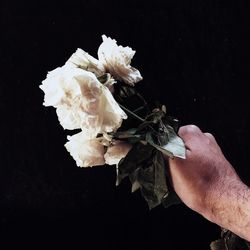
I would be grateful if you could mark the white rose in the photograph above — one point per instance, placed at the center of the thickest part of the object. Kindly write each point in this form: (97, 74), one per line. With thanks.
(54, 87)
(116, 152)
(87, 62)
(116, 60)
(110, 113)
(81, 100)
(86, 150)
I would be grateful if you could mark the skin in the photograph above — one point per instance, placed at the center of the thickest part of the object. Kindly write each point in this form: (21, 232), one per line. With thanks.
(208, 184)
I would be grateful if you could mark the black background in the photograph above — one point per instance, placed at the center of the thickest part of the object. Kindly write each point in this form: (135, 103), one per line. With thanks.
(194, 57)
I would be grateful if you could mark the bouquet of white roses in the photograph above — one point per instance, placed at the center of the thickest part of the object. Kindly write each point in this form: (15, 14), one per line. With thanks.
(96, 96)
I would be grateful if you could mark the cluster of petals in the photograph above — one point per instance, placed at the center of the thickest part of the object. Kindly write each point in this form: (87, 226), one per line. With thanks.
(88, 151)
(83, 102)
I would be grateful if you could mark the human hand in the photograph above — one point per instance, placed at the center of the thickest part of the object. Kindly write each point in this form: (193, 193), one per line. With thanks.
(208, 184)
(203, 169)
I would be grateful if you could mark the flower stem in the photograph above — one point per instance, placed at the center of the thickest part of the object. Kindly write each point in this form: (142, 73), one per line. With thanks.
(138, 109)
(132, 113)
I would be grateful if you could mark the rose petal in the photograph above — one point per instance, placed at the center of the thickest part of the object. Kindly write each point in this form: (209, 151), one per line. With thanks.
(113, 115)
(86, 151)
(116, 60)
(87, 62)
(116, 152)
(81, 100)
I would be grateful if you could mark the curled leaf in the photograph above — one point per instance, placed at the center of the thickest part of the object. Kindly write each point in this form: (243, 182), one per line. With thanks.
(169, 143)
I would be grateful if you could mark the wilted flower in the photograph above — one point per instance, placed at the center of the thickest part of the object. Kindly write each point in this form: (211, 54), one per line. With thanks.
(116, 60)
(116, 152)
(86, 150)
(81, 100)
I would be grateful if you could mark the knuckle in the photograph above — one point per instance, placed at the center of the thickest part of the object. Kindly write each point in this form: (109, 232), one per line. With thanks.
(210, 136)
(189, 129)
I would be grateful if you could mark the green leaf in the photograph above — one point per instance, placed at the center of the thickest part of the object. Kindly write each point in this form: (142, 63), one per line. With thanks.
(126, 91)
(146, 169)
(145, 162)
(125, 134)
(171, 198)
(151, 141)
(229, 241)
(175, 144)
(168, 143)
(248, 244)
(151, 180)
(135, 185)
(218, 245)
(156, 116)
(139, 156)
(128, 135)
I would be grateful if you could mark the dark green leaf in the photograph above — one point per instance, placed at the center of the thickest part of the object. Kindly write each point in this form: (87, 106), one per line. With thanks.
(151, 141)
(138, 157)
(171, 198)
(155, 116)
(168, 143)
(229, 241)
(218, 245)
(248, 244)
(125, 91)
(145, 167)
(151, 180)
(125, 134)
(172, 122)
(128, 135)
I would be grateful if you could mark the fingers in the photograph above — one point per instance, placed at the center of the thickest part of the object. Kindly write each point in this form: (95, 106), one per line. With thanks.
(194, 138)
(189, 134)
(188, 131)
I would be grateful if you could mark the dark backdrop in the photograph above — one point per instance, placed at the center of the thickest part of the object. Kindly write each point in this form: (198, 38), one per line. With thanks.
(194, 56)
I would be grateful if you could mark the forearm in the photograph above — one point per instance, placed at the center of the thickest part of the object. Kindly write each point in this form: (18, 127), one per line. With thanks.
(228, 205)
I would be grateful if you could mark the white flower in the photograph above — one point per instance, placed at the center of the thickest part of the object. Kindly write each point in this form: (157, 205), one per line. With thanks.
(54, 87)
(86, 150)
(116, 152)
(112, 58)
(87, 62)
(116, 60)
(81, 100)
(109, 112)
